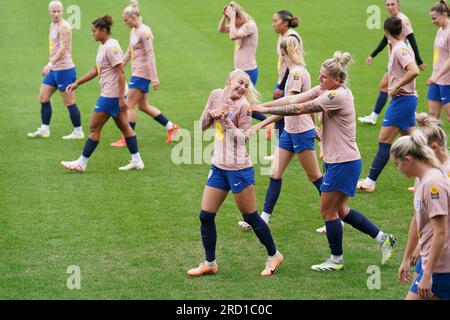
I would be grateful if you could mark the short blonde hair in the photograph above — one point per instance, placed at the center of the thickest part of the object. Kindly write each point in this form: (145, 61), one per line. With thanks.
(416, 146)
(55, 3)
(294, 49)
(337, 66)
(252, 95)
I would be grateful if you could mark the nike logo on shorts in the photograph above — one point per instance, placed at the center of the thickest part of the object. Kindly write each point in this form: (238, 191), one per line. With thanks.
(326, 184)
(60, 85)
(236, 184)
(296, 146)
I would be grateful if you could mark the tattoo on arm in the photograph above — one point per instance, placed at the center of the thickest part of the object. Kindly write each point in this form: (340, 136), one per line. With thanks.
(308, 107)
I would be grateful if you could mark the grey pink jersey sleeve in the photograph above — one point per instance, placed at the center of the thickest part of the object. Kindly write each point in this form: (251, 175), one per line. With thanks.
(205, 119)
(435, 198)
(147, 40)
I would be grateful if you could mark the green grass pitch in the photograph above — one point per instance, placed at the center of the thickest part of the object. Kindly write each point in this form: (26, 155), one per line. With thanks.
(134, 234)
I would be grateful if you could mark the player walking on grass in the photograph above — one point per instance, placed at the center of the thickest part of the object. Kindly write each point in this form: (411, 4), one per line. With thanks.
(393, 8)
(109, 68)
(342, 160)
(400, 115)
(143, 64)
(283, 23)
(431, 221)
(229, 112)
(58, 74)
(298, 134)
(242, 29)
(439, 82)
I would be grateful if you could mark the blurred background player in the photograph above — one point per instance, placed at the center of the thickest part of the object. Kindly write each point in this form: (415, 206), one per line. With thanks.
(393, 8)
(229, 112)
(111, 103)
(298, 134)
(342, 160)
(242, 29)
(431, 221)
(439, 82)
(58, 74)
(400, 115)
(143, 66)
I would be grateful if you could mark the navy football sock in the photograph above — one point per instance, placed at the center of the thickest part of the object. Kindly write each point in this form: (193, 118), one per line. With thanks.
(360, 222)
(334, 236)
(262, 231)
(209, 234)
(89, 147)
(380, 160)
(46, 112)
(272, 194)
(381, 102)
(75, 116)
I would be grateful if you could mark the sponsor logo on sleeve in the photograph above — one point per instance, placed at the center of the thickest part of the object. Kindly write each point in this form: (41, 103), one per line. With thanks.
(296, 75)
(434, 190)
(332, 95)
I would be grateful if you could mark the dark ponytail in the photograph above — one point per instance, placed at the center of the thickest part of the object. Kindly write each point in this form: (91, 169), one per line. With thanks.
(288, 17)
(441, 7)
(103, 23)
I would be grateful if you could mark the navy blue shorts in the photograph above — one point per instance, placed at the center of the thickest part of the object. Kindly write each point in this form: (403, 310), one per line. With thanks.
(139, 83)
(234, 180)
(439, 93)
(440, 287)
(253, 74)
(60, 79)
(108, 105)
(401, 113)
(418, 266)
(341, 177)
(297, 142)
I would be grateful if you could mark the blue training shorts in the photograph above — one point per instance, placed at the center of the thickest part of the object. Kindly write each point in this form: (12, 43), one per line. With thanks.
(139, 83)
(439, 93)
(341, 177)
(60, 79)
(441, 283)
(297, 142)
(401, 113)
(234, 180)
(253, 74)
(108, 105)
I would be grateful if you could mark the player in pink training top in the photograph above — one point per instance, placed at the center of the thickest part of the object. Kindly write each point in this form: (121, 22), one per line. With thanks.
(400, 115)
(242, 29)
(143, 65)
(342, 160)
(431, 221)
(229, 112)
(298, 134)
(111, 103)
(393, 8)
(439, 82)
(58, 74)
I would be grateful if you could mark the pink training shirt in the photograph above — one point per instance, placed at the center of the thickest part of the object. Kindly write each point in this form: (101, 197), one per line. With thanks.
(281, 66)
(432, 199)
(401, 56)
(55, 44)
(109, 55)
(245, 48)
(406, 25)
(298, 81)
(338, 124)
(231, 133)
(441, 54)
(142, 53)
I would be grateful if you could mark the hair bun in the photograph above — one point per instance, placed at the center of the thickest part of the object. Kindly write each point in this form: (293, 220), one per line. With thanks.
(342, 58)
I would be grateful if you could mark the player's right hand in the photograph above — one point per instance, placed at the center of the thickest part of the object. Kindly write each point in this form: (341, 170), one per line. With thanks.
(71, 87)
(45, 70)
(369, 60)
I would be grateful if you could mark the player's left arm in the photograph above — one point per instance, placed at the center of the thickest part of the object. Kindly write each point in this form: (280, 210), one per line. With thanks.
(412, 71)
(120, 74)
(413, 43)
(297, 109)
